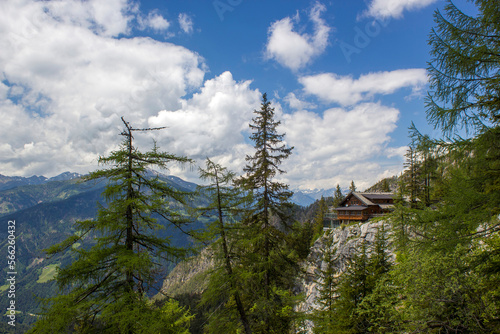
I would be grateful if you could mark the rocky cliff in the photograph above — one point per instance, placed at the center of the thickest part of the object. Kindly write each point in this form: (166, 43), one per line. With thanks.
(191, 276)
(346, 239)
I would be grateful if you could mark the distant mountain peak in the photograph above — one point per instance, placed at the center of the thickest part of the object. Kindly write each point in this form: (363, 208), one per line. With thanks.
(10, 182)
(65, 177)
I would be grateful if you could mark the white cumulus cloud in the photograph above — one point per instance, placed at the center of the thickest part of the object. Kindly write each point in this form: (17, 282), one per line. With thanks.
(292, 49)
(340, 145)
(384, 9)
(213, 123)
(345, 90)
(297, 104)
(66, 81)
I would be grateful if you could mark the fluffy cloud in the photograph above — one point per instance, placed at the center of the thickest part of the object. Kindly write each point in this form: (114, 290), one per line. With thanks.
(69, 72)
(155, 21)
(213, 122)
(345, 90)
(292, 49)
(384, 9)
(105, 18)
(66, 81)
(295, 103)
(340, 145)
(186, 23)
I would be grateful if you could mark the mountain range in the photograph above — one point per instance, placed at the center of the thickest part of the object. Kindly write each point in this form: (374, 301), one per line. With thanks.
(308, 197)
(300, 197)
(44, 211)
(9, 182)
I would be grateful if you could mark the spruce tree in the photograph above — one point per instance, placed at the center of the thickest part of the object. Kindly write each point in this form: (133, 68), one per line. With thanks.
(104, 289)
(338, 197)
(320, 217)
(365, 271)
(354, 285)
(270, 269)
(385, 186)
(325, 316)
(352, 187)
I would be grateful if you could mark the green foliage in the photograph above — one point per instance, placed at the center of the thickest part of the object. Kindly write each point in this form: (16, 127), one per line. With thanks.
(103, 289)
(225, 285)
(352, 187)
(325, 316)
(267, 262)
(464, 83)
(338, 197)
(301, 238)
(448, 243)
(361, 299)
(48, 273)
(319, 218)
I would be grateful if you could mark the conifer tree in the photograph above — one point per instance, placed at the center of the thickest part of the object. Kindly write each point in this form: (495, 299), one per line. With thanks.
(365, 270)
(385, 186)
(104, 288)
(325, 316)
(442, 272)
(225, 287)
(320, 217)
(266, 253)
(378, 307)
(411, 184)
(352, 187)
(353, 287)
(337, 197)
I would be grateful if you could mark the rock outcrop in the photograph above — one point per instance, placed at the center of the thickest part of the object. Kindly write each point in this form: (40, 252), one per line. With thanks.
(347, 240)
(190, 276)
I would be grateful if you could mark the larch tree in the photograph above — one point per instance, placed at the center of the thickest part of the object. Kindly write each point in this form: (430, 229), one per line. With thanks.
(225, 286)
(450, 262)
(104, 289)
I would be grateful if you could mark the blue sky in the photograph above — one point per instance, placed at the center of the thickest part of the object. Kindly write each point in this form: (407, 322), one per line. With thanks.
(347, 78)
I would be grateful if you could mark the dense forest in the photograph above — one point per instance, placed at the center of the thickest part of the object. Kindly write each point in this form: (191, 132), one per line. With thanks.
(434, 267)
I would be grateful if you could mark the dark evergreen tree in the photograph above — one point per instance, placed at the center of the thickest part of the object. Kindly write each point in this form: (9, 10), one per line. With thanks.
(325, 316)
(385, 186)
(104, 288)
(270, 269)
(337, 197)
(357, 309)
(354, 285)
(352, 187)
(319, 218)
(411, 184)
(378, 307)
